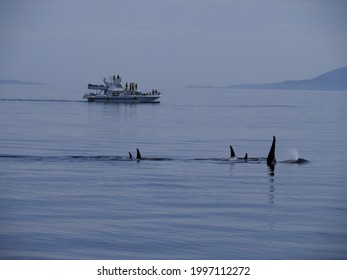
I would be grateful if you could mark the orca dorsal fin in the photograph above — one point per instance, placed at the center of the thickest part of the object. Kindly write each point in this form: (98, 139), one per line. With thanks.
(130, 156)
(271, 158)
(246, 156)
(232, 153)
(138, 154)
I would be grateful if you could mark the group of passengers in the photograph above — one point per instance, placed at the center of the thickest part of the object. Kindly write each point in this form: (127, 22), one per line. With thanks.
(154, 92)
(132, 87)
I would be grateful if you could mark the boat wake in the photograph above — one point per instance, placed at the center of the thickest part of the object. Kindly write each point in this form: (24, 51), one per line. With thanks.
(64, 158)
(37, 100)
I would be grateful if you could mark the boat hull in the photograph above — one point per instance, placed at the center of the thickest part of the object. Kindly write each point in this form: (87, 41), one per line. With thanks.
(124, 99)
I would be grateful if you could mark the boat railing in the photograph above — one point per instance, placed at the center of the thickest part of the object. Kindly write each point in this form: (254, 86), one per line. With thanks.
(98, 87)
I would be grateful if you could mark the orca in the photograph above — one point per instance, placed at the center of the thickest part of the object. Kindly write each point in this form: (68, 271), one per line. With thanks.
(232, 153)
(233, 157)
(139, 157)
(297, 161)
(138, 154)
(271, 158)
(253, 159)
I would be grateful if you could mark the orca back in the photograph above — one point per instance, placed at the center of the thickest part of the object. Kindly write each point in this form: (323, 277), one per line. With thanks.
(296, 161)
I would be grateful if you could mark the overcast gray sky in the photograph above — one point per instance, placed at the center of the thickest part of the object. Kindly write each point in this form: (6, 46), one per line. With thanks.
(171, 44)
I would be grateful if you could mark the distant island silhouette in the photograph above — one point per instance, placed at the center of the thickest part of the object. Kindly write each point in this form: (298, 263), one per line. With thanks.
(332, 80)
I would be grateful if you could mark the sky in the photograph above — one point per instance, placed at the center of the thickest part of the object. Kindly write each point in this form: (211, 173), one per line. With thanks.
(171, 43)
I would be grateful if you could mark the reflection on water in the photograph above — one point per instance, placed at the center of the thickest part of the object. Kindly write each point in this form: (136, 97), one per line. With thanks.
(271, 190)
(271, 170)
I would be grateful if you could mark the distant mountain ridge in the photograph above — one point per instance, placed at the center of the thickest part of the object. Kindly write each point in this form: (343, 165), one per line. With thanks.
(332, 80)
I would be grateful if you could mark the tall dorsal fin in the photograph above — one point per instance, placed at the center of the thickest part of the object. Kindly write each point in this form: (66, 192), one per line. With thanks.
(232, 153)
(271, 158)
(246, 156)
(138, 154)
(130, 156)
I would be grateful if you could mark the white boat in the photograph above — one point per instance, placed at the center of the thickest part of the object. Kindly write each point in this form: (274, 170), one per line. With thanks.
(113, 91)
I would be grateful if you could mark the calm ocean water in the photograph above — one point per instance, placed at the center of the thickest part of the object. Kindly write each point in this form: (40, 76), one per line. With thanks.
(67, 190)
